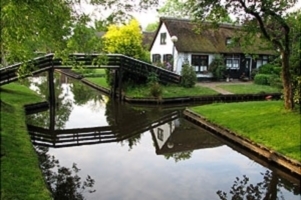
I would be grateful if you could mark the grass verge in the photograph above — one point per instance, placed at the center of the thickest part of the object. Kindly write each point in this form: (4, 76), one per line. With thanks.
(101, 81)
(171, 91)
(264, 122)
(21, 177)
(249, 88)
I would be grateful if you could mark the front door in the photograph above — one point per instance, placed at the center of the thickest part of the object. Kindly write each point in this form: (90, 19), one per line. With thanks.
(248, 68)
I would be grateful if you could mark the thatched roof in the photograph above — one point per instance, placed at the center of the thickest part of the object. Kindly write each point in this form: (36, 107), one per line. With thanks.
(147, 38)
(193, 38)
(187, 139)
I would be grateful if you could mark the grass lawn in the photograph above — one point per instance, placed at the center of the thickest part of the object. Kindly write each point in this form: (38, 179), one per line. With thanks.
(171, 91)
(101, 81)
(90, 72)
(249, 88)
(21, 177)
(264, 122)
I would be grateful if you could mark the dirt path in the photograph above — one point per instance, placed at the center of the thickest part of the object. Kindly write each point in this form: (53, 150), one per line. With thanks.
(215, 85)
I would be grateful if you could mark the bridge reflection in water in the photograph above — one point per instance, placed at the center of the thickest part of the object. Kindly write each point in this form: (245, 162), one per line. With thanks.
(165, 129)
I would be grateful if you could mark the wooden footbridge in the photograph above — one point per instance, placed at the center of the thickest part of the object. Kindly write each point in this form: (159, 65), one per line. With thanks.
(95, 135)
(119, 62)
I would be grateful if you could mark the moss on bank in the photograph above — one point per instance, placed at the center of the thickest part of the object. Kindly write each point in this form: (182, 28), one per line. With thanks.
(21, 177)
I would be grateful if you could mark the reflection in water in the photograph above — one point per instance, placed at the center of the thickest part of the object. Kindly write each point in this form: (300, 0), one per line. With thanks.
(268, 189)
(169, 158)
(65, 183)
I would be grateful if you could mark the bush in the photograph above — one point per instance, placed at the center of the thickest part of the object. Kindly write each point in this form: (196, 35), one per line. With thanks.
(156, 90)
(217, 67)
(275, 81)
(262, 79)
(188, 76)
(269, 69)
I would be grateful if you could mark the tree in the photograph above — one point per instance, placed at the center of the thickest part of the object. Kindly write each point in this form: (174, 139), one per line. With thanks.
(126, 39)
(152, 27)
(186, 9)
(262, 18)
(175, 8)
(28, 26)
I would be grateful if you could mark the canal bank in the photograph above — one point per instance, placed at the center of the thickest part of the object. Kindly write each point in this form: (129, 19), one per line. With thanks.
(21, 176)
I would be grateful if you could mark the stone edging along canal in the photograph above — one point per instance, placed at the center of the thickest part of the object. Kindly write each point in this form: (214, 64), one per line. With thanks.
(272, 156)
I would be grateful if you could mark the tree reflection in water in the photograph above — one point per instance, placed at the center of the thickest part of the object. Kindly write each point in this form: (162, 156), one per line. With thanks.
(65, 184)
(268, 189)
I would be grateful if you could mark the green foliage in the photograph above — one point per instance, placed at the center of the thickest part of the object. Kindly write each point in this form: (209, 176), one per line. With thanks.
(152, 78)
(262, 79)
(126, 39)
(275, 81)
(152, 27)
(155, 90)
(269, 69)
(29, 26)
(268, 74)
(268, 28)
(217, 67)
(155, 87)
(188, 76)
(21, 177)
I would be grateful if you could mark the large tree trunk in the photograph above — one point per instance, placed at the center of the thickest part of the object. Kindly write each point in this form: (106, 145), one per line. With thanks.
(286, 82)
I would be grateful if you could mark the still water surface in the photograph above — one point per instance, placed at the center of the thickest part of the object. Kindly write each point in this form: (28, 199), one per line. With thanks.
(145, 152)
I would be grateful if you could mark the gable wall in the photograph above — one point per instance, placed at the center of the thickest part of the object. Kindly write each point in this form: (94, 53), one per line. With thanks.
(162, 49)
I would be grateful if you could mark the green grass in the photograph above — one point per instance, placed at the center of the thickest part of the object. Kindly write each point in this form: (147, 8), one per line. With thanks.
(249, 88)
(90, 72)
(266, 123)
(21, 177)
(170, 91)
(101, 81)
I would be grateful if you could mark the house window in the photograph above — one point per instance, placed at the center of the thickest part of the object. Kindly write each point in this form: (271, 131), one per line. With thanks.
(232, 61)
(163, 38)
(160, 134)
(167, 58)
(228, 41)
(200, 62)
(261, 61)
(156, 58)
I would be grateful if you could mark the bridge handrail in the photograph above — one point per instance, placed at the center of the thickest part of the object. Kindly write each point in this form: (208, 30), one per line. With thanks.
(8, 73)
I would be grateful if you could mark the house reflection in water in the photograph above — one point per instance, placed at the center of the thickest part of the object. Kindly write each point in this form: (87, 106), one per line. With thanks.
(180, 135)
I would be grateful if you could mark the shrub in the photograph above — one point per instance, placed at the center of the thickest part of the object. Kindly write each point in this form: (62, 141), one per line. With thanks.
(253, 73)
(152, 78)
(261, 79)
(217, 67)
(275, 81)
(188, 76)
(156, 90)
(269, 69)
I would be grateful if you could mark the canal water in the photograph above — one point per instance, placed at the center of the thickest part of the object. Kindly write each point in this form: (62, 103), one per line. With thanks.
(143, 151)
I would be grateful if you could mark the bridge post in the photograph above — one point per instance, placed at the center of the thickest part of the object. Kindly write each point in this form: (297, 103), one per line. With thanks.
(114, 86)
(51, 97)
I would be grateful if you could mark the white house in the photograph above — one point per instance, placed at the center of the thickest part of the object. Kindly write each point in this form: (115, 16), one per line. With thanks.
(199, 49)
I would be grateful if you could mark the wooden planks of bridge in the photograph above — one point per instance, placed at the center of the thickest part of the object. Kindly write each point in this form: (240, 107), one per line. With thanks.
(113, 61)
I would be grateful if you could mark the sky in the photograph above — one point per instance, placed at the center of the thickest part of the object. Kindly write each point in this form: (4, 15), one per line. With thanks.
(148, 16)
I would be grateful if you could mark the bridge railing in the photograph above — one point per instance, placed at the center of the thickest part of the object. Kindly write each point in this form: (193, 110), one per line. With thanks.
(9, 74)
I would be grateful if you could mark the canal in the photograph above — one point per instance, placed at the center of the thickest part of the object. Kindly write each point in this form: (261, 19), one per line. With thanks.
(141, 152)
